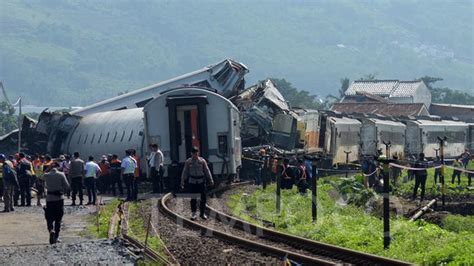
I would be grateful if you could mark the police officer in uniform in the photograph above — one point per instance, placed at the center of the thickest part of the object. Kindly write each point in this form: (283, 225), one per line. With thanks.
(196, 172)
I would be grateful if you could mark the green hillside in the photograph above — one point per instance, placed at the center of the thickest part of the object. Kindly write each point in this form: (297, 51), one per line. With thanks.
(67, 52)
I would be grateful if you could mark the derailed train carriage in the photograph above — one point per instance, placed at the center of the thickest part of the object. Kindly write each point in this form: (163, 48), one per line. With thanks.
(176, 120)
(332, 135)
(422, 136)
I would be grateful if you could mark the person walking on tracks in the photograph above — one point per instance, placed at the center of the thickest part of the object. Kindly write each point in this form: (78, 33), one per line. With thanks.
(10, 182)
(420, 176)
(76, 173)
(56, 183)
(196, 173)
(129, 165)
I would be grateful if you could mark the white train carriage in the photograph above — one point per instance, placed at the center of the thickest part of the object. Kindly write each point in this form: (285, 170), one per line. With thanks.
(374, 132)
(342, 135)
(422, 136)
(179, 119)
(108, 133)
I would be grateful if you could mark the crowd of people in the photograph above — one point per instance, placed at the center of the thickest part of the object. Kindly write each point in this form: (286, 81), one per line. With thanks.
(53, 179)
(23, 175)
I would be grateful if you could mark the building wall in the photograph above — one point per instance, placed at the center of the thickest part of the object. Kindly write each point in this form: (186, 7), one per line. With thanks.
(423, 95)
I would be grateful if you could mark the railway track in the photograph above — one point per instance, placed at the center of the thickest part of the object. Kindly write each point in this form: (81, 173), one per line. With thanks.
(118, 221)
(268, 241)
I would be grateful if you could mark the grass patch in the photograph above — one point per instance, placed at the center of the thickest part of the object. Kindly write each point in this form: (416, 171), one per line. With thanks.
(137, 226)
(105, 215)
(349, 226)
(459, 223)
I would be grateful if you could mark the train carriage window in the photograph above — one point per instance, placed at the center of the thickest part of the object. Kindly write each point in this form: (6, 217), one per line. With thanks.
(93, 137)
(100, 138)
(79, 138)
(131, 135)
(115, 136)
(107, 138)
(123, 135)
(85, 139)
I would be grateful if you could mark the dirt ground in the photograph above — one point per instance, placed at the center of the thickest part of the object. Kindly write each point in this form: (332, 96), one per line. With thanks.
(27, 225)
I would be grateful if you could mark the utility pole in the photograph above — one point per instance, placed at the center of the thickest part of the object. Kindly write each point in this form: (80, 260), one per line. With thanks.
(442, 142)
(19, 125)
(436, 152)
(347, 160)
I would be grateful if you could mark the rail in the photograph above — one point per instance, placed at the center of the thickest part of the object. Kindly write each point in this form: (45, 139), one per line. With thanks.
(331, 251)
(118, 227)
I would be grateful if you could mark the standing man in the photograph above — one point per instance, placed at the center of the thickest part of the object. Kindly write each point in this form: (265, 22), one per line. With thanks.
(456, 172)
(420, 176)
(65, 166)
(56, 183)
(25, 177)
(115, 170)
(103, 180)
(156, 168)
(39, 182)
(196, 172)
(76, 173)
(10, 182)
(465, 158)
(127, 174)
(92, 171)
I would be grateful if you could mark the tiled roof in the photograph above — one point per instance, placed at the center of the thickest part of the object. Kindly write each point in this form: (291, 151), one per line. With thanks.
(387, 109)
(406, 88)
(378, 87)
(384, 88)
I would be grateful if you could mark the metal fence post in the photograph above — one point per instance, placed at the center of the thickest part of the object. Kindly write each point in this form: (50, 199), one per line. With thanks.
(314, 193)
(278, 190)
(386, 204)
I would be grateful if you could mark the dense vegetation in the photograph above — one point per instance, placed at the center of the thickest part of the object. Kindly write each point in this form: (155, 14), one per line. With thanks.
(352, 227)
(69, 53)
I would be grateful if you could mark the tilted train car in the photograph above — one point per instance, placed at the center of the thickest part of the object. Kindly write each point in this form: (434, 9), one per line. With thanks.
(422, 136)
(342, 135)
(374, 132)
(182, 118)
(110, 132)
(177, 120)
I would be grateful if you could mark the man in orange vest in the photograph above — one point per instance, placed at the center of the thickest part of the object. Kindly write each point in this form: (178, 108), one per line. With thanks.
(302, 177)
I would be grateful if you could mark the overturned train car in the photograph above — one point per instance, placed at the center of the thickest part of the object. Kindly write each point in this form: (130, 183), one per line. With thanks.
(176, 120)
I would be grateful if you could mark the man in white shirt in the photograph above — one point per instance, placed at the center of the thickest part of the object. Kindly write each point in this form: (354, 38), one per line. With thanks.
(92, 171)
(129, 164)
(155, 163)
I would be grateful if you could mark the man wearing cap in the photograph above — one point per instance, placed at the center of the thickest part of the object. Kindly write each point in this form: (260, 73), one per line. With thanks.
(10, 181)
(56, 183)
(196, 172)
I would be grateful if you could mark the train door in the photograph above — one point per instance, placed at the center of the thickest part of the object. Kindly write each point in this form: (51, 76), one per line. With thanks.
(188, 122)
(187, 126)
